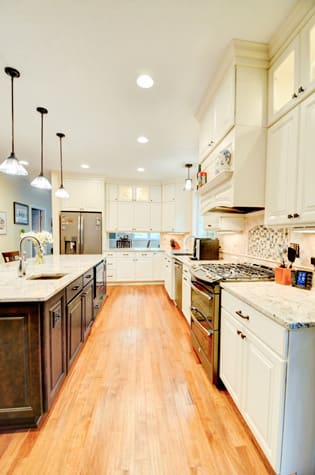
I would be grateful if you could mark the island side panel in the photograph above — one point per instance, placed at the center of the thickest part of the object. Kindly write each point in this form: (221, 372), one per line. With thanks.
(20, 366)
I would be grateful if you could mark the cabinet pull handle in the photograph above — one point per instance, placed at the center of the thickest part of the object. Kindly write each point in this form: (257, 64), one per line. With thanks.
(185, 278)
(87, 276)
(301, 89)
(56, 318)
(76, 287)
(290, 216)
(210, 143)
(238, 332)
(243, 336)
(294, 95)
(240, 314)
(296, 215)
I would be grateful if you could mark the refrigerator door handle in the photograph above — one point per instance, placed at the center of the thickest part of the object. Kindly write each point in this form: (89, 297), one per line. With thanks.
(82, 235)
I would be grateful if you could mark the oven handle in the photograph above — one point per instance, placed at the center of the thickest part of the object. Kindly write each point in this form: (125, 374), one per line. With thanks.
(195, 309)
(204, 294)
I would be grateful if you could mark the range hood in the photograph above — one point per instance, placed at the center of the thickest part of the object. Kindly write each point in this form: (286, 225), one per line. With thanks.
(234, 209)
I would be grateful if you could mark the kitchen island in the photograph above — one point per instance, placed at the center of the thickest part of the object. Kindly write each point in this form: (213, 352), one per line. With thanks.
(45, 317)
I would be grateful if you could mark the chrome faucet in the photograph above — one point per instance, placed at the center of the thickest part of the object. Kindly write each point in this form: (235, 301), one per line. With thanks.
(39, 249)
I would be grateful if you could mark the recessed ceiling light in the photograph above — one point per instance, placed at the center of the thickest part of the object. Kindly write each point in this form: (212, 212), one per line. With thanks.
(140, 169)
(142, 140)
(85, 165)
(23, 162)
(145, 81)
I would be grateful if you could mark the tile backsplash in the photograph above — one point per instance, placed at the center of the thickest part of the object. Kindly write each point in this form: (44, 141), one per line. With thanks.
(267, 243)
(262, 242)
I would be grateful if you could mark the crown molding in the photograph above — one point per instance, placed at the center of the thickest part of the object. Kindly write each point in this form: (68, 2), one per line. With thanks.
(298, 17)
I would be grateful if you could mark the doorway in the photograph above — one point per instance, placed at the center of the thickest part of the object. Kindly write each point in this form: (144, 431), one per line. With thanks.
(37, 223)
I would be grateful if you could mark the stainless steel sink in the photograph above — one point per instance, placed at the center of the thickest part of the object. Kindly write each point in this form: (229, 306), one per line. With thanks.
(46, 276)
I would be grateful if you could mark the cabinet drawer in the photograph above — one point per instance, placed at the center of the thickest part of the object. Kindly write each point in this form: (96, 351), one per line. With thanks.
(272, 334)
(87, 276)
(74, 288)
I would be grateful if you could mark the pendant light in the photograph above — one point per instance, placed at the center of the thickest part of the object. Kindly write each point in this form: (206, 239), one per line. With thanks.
(41, 181)
(11, 165)
(188, 180)
(61, 192)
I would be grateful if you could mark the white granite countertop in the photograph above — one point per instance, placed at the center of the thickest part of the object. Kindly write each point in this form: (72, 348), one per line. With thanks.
(289, 306)
(20, 289)
(134, 249)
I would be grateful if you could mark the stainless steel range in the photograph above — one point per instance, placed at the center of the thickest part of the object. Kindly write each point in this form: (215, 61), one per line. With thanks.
(205, 306)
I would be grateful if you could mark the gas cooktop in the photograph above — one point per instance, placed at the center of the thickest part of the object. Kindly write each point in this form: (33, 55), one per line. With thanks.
(231, 272)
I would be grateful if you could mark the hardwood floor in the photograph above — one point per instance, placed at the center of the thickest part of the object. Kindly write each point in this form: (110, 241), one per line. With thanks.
(136, 402)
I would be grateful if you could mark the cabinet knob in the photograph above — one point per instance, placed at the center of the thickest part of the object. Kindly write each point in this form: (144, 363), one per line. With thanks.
(238, 332)
(290, 216)
(301, 89)
(294, 95)
(210, 143)
(243, 336)
(296, 215)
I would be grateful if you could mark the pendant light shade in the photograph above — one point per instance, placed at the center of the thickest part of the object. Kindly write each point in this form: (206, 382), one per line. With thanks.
(41, 181)
(188, 180)
(11, 165)
(61, 192)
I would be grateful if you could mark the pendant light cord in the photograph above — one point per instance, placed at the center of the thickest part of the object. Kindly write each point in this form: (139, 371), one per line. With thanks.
(41, 148)
(61, 173)
(12, 115)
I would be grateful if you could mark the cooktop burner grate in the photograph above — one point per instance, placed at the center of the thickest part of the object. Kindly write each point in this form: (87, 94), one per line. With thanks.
(232, 272)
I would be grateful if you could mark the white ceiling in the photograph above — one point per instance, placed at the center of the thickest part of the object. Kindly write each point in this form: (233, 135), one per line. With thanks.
(81, 58)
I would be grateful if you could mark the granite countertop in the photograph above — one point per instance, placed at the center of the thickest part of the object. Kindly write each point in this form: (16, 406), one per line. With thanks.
(134, 249)
(289, 306)
(19, 289)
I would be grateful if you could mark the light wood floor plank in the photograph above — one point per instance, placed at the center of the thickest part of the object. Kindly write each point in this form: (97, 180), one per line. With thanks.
(136, 402)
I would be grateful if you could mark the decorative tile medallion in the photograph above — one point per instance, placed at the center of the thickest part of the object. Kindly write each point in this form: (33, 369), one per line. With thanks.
(267, 243)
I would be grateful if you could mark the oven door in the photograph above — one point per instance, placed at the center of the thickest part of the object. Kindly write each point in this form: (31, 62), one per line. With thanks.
(204, 334)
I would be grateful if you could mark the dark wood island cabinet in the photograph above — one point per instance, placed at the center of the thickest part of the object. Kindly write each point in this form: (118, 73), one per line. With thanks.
(39, 342)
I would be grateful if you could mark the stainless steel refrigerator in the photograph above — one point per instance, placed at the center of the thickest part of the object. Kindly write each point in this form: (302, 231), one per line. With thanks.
(80, 232)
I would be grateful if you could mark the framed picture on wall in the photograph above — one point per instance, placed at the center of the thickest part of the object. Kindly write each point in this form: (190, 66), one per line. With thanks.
(3, 222)
(20, 213)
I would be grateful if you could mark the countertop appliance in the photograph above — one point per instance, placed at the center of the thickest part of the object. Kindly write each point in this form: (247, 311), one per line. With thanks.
(206, 249)
(80, 232)
(205, 307)
(178, 267)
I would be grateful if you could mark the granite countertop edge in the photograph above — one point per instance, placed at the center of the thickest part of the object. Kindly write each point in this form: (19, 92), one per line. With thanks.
(240, 290)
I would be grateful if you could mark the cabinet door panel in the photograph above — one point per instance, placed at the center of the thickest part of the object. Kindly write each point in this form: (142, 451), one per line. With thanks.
(55, 356)
(112, 215)
(168, 216)
(125, 268)
(263, 402)
(74, 323)
(231, 356)
(125, 216)
(87, 297)
(143, 268)
(284, 81)
(141, 216)
(308, 55)
(306, 166)
(282, 169)
(155, 217)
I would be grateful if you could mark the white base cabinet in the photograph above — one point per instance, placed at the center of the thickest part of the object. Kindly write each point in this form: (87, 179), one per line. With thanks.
(169, 276)
(133, 266)
(270, 374)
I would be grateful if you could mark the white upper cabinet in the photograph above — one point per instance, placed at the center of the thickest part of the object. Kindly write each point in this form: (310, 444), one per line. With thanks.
(176, 209)
(219, 116)
(85, 195)
(290, 197)
(292, 74)
(155, 193)
(237, 95)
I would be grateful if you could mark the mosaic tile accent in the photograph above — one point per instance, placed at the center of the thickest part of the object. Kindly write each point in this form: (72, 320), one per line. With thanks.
(267, 243)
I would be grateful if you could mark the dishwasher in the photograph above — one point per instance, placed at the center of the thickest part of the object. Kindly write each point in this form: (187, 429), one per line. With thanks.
(178, 283)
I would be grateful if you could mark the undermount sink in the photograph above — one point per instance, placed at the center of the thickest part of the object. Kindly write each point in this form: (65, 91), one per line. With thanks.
(47, 276)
